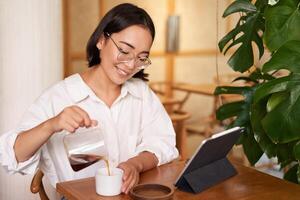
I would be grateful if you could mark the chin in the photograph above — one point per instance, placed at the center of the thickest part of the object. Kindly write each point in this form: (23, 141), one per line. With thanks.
(120, 81)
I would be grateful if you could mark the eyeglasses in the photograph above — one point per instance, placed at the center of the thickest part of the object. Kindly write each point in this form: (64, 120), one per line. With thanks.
(125, 57)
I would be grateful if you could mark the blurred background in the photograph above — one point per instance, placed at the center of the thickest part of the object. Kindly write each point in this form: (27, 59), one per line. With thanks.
(43, 41)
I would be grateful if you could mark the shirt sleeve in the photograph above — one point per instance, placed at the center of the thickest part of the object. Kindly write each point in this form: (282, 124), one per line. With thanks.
(34, 116)
(157, 134)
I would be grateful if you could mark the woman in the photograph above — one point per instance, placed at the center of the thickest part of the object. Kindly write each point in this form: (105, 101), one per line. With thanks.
(111, 93)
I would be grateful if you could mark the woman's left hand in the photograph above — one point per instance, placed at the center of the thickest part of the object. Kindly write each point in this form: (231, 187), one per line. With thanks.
(130, 177)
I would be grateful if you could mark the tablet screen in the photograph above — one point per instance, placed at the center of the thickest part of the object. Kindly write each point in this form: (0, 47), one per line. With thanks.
(211, 150)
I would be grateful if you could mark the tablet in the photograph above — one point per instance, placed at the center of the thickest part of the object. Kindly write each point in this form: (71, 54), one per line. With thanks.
(210, 151)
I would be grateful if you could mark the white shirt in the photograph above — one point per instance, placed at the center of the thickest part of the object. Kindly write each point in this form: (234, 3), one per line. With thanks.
(135, 122)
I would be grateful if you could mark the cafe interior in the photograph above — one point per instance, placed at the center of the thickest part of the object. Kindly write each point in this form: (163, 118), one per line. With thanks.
(186, 66)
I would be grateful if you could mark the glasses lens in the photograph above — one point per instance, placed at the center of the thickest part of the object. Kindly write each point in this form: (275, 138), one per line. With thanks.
(125, 56)
(140, 63)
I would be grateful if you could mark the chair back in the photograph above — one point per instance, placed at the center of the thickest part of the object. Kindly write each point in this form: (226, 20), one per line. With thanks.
(37, 186)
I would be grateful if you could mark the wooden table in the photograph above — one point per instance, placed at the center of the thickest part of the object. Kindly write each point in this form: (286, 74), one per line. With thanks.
(247, 185)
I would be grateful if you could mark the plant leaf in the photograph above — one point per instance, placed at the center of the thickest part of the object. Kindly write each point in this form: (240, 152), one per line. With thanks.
(298, 174)
(251, 147)
(273, 86)
(261, 4)
(241, 110)
(286, 57)
(282, 24)
(242, 58)
(231, 90)
(291, 174)
(229, 110)
(239, 6)
(245, 78)
(282, 123)
(230, 36)
(297, 150)
(285, 152)
(257, 113)
(258, 75)
(259, 42)
(244, 33)
(275, 99)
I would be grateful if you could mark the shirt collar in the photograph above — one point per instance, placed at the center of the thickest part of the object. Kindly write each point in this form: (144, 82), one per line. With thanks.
(78, 89)
(132, 88)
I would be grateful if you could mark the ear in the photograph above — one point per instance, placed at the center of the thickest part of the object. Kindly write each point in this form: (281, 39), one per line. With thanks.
(101, 42)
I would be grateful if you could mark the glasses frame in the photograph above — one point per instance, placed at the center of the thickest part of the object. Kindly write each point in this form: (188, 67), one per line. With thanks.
(121, 51)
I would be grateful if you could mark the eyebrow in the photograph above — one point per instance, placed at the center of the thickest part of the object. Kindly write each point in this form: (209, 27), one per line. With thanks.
(131, 46)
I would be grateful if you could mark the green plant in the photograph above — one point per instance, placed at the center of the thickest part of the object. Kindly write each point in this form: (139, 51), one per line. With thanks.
(270, 110)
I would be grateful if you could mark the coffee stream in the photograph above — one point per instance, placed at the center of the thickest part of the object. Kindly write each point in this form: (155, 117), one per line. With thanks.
(80, 161)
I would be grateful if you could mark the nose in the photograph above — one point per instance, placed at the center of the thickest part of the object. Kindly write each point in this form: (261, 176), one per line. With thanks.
(131, 64)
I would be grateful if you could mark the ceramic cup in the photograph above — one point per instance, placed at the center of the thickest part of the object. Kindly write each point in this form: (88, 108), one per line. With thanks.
(109, 185)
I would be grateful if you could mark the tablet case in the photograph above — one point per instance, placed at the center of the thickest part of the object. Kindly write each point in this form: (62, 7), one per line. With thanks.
(210, 165)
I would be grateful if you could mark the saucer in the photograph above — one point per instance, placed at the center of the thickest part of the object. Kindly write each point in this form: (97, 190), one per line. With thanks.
(151, 192)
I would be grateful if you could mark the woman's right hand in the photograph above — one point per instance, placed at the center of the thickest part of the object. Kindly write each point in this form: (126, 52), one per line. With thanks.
(70, 119)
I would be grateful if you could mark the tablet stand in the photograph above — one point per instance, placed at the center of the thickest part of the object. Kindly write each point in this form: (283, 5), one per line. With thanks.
(207, 176)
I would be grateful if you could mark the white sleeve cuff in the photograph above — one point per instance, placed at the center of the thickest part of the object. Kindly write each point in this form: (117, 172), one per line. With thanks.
(8, 158)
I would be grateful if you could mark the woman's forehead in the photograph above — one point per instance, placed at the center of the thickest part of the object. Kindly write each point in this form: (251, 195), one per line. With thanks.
(135, 35)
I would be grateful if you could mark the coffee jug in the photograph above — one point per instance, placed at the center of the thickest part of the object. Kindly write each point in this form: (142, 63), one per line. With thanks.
(85, 147)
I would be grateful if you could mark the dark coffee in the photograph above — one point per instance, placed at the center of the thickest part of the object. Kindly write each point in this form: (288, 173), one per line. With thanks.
(80, 161)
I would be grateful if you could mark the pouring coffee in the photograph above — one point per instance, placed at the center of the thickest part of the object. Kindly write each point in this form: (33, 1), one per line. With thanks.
(85, 147)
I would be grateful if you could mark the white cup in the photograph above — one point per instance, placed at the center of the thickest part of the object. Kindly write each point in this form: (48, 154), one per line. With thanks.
(109, 185)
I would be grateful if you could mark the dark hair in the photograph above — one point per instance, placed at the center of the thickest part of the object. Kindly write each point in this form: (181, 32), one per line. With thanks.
(117, 19)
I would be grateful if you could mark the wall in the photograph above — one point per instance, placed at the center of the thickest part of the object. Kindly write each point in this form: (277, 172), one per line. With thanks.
(30, 61)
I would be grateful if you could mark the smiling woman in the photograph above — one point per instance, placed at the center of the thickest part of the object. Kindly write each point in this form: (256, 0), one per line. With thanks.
(127, 54)
(111, 94)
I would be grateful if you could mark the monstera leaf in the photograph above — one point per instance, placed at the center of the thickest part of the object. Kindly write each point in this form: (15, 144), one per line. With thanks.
(286, 57)
(270, 110)
(245, 32)
(258, 112)
(241, 111)
(274, 117)
(284, 115)
(282, 23)
(251, 147)
(239, 6)
(265, 143)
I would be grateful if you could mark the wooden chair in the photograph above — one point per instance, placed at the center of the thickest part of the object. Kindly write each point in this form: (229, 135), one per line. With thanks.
(37, 185)
(208, 124)
(205, 126)
(178, 119)
(165, 91)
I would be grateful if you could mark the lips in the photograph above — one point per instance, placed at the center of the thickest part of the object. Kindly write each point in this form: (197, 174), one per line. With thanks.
(122, 72)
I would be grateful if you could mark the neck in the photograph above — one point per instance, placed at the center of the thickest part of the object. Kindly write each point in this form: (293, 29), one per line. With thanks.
(101, 85)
